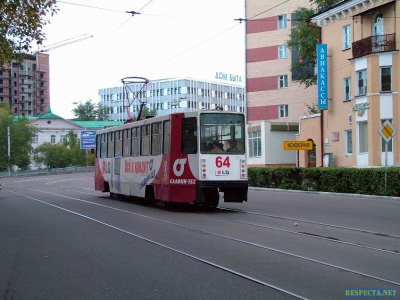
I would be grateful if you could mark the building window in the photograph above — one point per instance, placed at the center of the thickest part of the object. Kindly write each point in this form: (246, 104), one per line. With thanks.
(346, 89)
(390, 143)
(35, 139)
(62, 138)
(255, 143)
(283, 81)
(348, 134)
(53, 139)
(283, 111)
(346, 37)
(282, 21)
(362, 82)
(386, 79)
(363, 137)
(283, 51)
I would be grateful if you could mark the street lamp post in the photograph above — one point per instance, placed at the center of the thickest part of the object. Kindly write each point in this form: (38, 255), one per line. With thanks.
(9, 151)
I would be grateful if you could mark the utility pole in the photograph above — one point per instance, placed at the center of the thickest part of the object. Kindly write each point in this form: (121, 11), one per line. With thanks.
(9, 151)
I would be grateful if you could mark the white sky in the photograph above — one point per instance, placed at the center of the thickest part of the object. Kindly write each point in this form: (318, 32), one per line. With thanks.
(174, 38)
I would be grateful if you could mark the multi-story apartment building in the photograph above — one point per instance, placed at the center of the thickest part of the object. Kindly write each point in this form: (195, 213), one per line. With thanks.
(363, 83)
(26, 88)
(273, 95)
(173, 95)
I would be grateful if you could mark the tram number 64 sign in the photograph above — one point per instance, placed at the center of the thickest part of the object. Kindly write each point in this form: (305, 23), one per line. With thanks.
(219, 162)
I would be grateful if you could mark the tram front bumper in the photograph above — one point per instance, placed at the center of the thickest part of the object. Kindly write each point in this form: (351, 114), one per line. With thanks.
(234, 191)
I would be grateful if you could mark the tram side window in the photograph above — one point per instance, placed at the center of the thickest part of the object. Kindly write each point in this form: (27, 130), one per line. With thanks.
(135, 142)
(103, 145)
(156, 138)
(166, 137)
(126, 143)
(98, 145)
(145, 140)
(189, 135)
(110, 144)
(118, 143)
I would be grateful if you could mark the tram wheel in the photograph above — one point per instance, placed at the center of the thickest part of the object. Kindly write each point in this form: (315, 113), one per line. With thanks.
(212, 198)
(149, 196)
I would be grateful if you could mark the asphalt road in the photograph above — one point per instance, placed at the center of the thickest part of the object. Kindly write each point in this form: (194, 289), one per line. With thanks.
(60, 239)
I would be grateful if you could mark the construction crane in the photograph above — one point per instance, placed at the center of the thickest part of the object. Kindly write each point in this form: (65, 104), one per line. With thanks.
(66, 42)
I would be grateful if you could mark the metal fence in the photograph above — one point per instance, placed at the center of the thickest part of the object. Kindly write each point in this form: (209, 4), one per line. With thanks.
(48, 171)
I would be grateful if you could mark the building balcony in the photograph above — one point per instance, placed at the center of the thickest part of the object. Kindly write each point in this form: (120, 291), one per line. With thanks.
(374, 44)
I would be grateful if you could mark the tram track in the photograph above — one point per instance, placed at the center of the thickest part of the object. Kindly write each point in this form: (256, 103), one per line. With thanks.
(197, 258)
(311, 235)
(326, 264)
(311, 222)
(299, 221)
(334, 240)
(316, 236)
(331, 239)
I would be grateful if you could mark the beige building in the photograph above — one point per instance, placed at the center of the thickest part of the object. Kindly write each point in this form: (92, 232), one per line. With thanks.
(363, 84)
(273, 97)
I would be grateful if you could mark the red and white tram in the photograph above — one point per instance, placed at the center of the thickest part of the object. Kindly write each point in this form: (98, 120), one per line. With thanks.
(178, 158)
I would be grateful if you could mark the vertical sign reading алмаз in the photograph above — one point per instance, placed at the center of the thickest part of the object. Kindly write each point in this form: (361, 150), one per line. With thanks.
(322, 79)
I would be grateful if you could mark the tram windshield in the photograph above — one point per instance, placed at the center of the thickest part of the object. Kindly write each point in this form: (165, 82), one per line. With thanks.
(220, 133)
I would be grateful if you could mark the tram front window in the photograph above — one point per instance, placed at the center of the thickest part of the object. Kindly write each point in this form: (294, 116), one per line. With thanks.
(220, 133)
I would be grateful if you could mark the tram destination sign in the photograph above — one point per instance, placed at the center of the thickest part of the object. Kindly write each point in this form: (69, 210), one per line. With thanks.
(298, 145)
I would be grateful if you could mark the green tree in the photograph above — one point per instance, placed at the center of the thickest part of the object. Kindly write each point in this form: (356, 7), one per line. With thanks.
(89, 111)
(146, 112)
(322, 5)
(312, 108)
(76, 156)
(61, 155)
(52, 155)
(4, 105)
(103, 112)
(85, 111)
(21, 24)
(21, 135)
(303, 41)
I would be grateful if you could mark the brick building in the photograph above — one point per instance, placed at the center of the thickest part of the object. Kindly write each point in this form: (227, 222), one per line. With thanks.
(273, 98)
(27, 88)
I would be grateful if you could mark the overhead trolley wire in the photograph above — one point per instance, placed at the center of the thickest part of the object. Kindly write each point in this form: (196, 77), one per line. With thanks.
(271, 8)
(90, 6)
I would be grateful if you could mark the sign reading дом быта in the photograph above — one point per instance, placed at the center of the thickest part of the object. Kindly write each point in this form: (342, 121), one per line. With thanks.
(228, 77)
